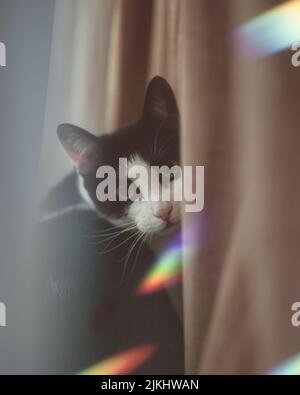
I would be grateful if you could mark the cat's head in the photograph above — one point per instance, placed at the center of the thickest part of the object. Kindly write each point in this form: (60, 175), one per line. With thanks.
(152, 141)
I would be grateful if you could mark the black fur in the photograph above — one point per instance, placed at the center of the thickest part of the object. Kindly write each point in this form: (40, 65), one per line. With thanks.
(154, 137)
(90, 306)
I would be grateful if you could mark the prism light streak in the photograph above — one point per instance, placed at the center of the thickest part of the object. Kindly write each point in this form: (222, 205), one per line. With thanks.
(123, 363)
(271, 32)
(290, 367)
(166, 272)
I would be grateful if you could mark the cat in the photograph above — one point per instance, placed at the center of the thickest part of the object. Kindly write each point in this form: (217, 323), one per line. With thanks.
(153, 140)
(88, 292)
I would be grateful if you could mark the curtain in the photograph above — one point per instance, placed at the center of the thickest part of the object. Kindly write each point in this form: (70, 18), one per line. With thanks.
(144, 43)
(77, 79)
(239, 120)
(243, 115)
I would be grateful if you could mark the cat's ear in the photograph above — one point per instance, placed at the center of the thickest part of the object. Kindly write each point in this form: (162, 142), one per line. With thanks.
(160, 101)
(80, 145)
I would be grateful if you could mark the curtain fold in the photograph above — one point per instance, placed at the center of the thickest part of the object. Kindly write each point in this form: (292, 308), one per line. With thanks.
(144, 38)
(128, 61)
(207, 139)
(239, 290)
(77, 78)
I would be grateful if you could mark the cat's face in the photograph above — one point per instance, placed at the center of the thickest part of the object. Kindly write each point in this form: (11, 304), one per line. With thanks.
(151, 141)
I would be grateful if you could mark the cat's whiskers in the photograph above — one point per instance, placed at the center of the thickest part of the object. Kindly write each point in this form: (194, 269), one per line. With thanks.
(113, 235)
(142, 239)
(115, 231)
(119, 245)
(133, 244)
(111, 229)
(150, 239)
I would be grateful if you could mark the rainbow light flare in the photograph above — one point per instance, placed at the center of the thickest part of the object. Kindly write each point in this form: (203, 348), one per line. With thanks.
(123, 363)
(167, 271)
(271, 32)
(288, 368)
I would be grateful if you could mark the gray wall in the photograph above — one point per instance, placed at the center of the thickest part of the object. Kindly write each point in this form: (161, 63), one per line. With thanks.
(25, 28)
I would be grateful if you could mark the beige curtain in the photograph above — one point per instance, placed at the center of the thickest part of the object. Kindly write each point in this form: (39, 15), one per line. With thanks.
(77, 79)
(243, 116)
(144, 43)
(239, 120)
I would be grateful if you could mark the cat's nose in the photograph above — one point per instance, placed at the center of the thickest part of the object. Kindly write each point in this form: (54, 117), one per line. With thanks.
(163, 213)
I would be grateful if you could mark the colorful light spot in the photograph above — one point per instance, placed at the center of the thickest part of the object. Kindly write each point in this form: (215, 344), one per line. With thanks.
(166, 272)
(290, 367)
(271, 32)
(123, 363)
